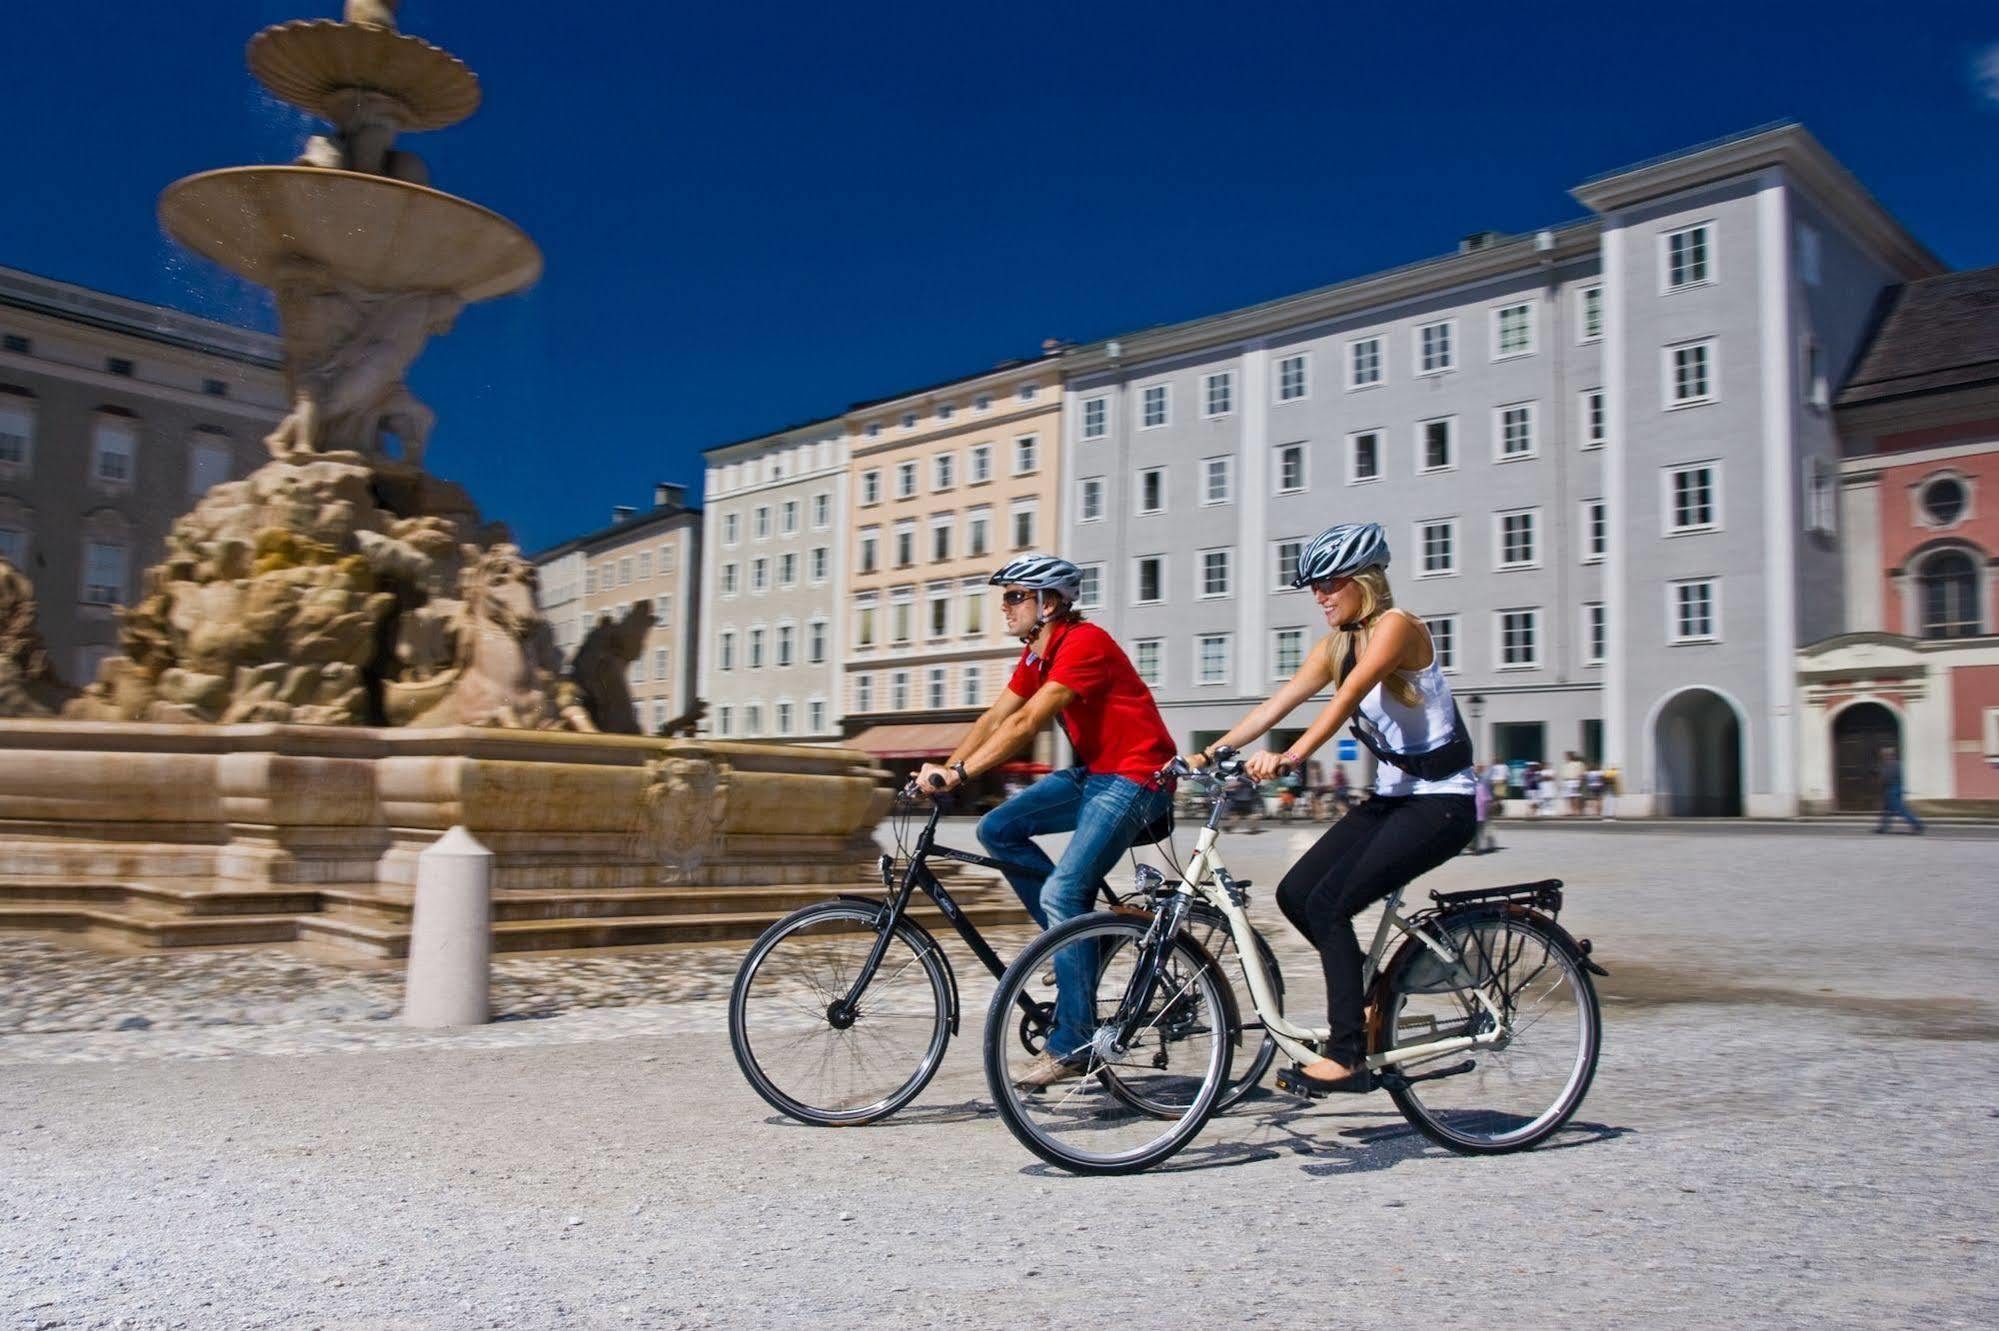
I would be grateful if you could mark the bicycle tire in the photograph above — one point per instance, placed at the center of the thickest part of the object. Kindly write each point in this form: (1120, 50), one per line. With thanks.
(864, 918)
(1012, 1102)
(1448, 1127)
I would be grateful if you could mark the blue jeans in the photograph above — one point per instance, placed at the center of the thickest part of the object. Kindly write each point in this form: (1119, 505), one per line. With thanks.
(1105, 813)
(1893, 806)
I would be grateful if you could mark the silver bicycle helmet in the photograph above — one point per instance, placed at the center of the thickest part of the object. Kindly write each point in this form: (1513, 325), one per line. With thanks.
(1043, 573)
(1345, 548)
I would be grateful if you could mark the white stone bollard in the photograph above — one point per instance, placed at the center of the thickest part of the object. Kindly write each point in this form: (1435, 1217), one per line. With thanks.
(449, 979)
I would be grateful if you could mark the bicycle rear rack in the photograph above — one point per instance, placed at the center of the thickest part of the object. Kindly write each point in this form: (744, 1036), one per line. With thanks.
(1545, 895)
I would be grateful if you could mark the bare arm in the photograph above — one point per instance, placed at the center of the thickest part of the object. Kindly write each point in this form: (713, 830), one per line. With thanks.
(1396, 637)
(1018, 726)
(990, 720)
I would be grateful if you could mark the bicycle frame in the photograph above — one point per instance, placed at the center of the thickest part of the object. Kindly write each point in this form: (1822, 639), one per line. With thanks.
(1207, 879)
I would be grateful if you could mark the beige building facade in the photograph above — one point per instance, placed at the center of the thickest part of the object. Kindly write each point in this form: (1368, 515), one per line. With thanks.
(945, 485)
(651, 555)
(115, 416)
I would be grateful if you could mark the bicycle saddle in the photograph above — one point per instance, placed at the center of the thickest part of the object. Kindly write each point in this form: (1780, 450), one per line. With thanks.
(1155, 831)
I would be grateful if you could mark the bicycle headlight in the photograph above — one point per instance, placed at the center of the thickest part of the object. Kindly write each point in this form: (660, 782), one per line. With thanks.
(1148, 879)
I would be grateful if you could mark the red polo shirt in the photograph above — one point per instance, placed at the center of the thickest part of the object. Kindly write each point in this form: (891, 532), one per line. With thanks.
(1114, 725)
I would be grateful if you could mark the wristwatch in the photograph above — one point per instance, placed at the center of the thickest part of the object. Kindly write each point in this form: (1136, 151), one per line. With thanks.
(963, 775)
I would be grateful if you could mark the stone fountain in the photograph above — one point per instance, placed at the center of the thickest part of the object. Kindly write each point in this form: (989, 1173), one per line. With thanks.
(338, 659)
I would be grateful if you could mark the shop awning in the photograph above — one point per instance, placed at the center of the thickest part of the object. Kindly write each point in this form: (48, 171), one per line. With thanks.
(928, 739)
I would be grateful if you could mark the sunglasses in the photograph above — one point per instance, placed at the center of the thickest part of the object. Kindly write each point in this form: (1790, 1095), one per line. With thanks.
(1015, 598)
(1328, 586)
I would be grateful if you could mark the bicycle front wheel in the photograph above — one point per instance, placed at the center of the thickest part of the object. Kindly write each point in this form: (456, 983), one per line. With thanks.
(1178, 1055)
(1517, 1091)
(803, 1051)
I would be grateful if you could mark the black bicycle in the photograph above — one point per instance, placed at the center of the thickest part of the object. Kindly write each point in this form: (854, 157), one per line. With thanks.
(842, 1010)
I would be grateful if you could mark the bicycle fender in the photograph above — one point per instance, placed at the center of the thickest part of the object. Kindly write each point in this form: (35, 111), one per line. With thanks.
(1578, 949)
(926, 938)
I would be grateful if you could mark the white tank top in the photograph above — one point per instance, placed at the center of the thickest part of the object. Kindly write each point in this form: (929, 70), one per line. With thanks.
(1417, 729)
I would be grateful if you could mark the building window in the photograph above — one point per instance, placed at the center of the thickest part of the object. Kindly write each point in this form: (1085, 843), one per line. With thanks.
(624, 570)
(981, 464)
(940, 540)
(17, 344)
(815, 642)
(1090, 595)
(815, 717)
(944, 410)
(909, 420)
(942, 469)
(756, 641)
(208, 466)
(725, 721)
(1596, 636)
(940, 614)
(1287, 561)
(753, 719)
(1216, 480)
(787, 643)
(1364, 362)
(1519, 639)
(1438, 542)
(113, 448)
(784, 716)
(645, 565)
(1589, 313)
(1947, 590)
(732, 524)
(1147, 655)
(822, 515)
(905, 480)
(1023, 526)
(1218, 394)
(1690, 374)
(1434, 352)
(1363, 457)
(1090, 503)
(864, 693)
(1287, 653)
(1944, 500)
(1214, 573)
(760, 575)
(729, 572)
(725, 650)
(14, 546)
(935, 686)
(983, 402)
(871, 487)
(1150, 579)
(1695, 610)
(864, 626)
(788, 519)
(1596, 530)
(1818, 393)
(1152, 490)
(17, 434)
(870, 549)
(1810, 258)
(104, 573)
(898, 691)
(900, 612)
(1026, 454)
(1152, 407)
(1693, 498)
(972, 680)
(905, 544)
(1517, 547)
(1290, 468)
(1595, 410)
(119, 366)
(1514, 426)
(1027, 392)
(1513, 330)
(761, 523)
(978, 527)
(1293, 378)
(1687, 257)
(975, 611)
(821, 560)
(660, 662)
(1211, 658)
(1096, 417)
(787, 569)
(1444, 641)
(1821, 499)
(1436, 445)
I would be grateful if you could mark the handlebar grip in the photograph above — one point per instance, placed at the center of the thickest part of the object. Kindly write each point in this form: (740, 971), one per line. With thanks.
(936, 782)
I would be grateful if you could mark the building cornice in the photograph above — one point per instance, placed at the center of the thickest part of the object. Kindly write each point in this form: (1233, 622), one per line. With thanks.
(1804, 160)
(1508, 257)
(1022, 413)
(1920, 410)
(71, 303)
(118, 384)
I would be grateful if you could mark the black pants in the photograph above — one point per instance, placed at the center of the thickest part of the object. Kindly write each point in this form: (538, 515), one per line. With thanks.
(1377, 848)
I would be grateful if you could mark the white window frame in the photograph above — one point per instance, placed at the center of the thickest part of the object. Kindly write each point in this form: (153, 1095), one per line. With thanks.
(88, 591)
(1086, 487)
(1156, 677)
(1208, 497)
(1281, 581)
(1499, 661)
(1138, 508)
(1228, 660)
(1674, 638)
(1821, 491)
(1422, 442)
(1586, 519)
(1303, 359)
(1533, 450)
(943, 472)
(979, 532)
(907, 480)
(1100, 428)
(1225, 381)
(725, 650)
(1304, 469)
(1418, 359)
(1201, 592)
(1669, 380)
(1354, 383)
(1500, 564)
(1032, 508)
(1666, 516)
(1145, 404)
(819, 564)
(1710, 258)
(1583, 417)
(129, 430)
(1084, 599)
(1138, 596)
(1587, 653)
(760, 575)
(822, 511)
(971, 685)
(1421, 546)
(818, 640)
(1032, 444)
(732, 529)
(1454, 639)
(905, 527)
(1353, 457)
(1277, 670)
(1583, 334)
(1813, 386)
(1499, 313)
(945, 523)
(871, 487)
(27, 410)
(979, 465)
(932, 598)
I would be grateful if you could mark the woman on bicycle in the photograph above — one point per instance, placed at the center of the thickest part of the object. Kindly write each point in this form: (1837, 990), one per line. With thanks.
(1382, 668)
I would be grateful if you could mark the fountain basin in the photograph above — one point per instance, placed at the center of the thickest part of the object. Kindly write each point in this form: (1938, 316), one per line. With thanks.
(374, 232)
(319, 65)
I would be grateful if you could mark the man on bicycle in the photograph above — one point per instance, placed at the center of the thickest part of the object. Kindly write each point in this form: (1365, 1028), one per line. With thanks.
(1073, 672)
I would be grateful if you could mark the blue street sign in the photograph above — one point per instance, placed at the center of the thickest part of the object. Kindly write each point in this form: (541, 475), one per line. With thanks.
(1349, 750)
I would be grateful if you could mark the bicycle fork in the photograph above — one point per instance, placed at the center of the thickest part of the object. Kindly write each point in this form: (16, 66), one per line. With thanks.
(1144, 982)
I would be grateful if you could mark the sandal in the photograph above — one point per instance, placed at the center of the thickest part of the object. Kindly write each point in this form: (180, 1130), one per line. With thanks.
(1294, 1079)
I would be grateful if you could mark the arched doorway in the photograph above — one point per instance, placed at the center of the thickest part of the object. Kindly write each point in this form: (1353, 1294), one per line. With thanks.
(1858, 735)
(1699, 745)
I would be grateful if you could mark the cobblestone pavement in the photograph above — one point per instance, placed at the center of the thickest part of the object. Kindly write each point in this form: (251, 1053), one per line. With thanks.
(1796, 1124)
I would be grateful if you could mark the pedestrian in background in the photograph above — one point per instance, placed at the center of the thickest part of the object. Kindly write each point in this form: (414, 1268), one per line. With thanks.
(1484, 803)
(1593, 785)
(1892, 803)
(1573, 772)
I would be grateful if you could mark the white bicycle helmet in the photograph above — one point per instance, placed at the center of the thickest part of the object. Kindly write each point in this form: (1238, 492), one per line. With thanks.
(1345, 548)
(1043, 573)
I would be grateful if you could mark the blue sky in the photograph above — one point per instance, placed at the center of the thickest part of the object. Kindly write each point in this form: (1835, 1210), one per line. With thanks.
(755, 215)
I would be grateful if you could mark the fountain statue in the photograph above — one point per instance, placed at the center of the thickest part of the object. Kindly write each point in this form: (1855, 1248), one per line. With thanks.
(340, 584)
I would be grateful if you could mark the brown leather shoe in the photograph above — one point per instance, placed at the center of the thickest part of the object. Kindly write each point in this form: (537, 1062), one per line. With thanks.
(1046, 1071)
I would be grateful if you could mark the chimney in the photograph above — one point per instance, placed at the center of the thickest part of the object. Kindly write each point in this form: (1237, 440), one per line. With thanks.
(668, 495)
(1478, 240)
(620, 512)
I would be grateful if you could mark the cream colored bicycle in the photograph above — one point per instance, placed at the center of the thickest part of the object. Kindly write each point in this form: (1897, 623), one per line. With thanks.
(1484, 1026)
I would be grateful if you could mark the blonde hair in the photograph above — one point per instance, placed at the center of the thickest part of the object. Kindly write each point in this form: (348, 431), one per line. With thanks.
(1347, 644)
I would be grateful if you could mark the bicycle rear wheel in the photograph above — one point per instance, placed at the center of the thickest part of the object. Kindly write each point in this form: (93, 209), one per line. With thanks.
(809, 1058)
(1178, 1056)
(1512, 1094)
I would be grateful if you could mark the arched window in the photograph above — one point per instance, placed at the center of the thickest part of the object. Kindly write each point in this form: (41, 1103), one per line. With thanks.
(1948, 590)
